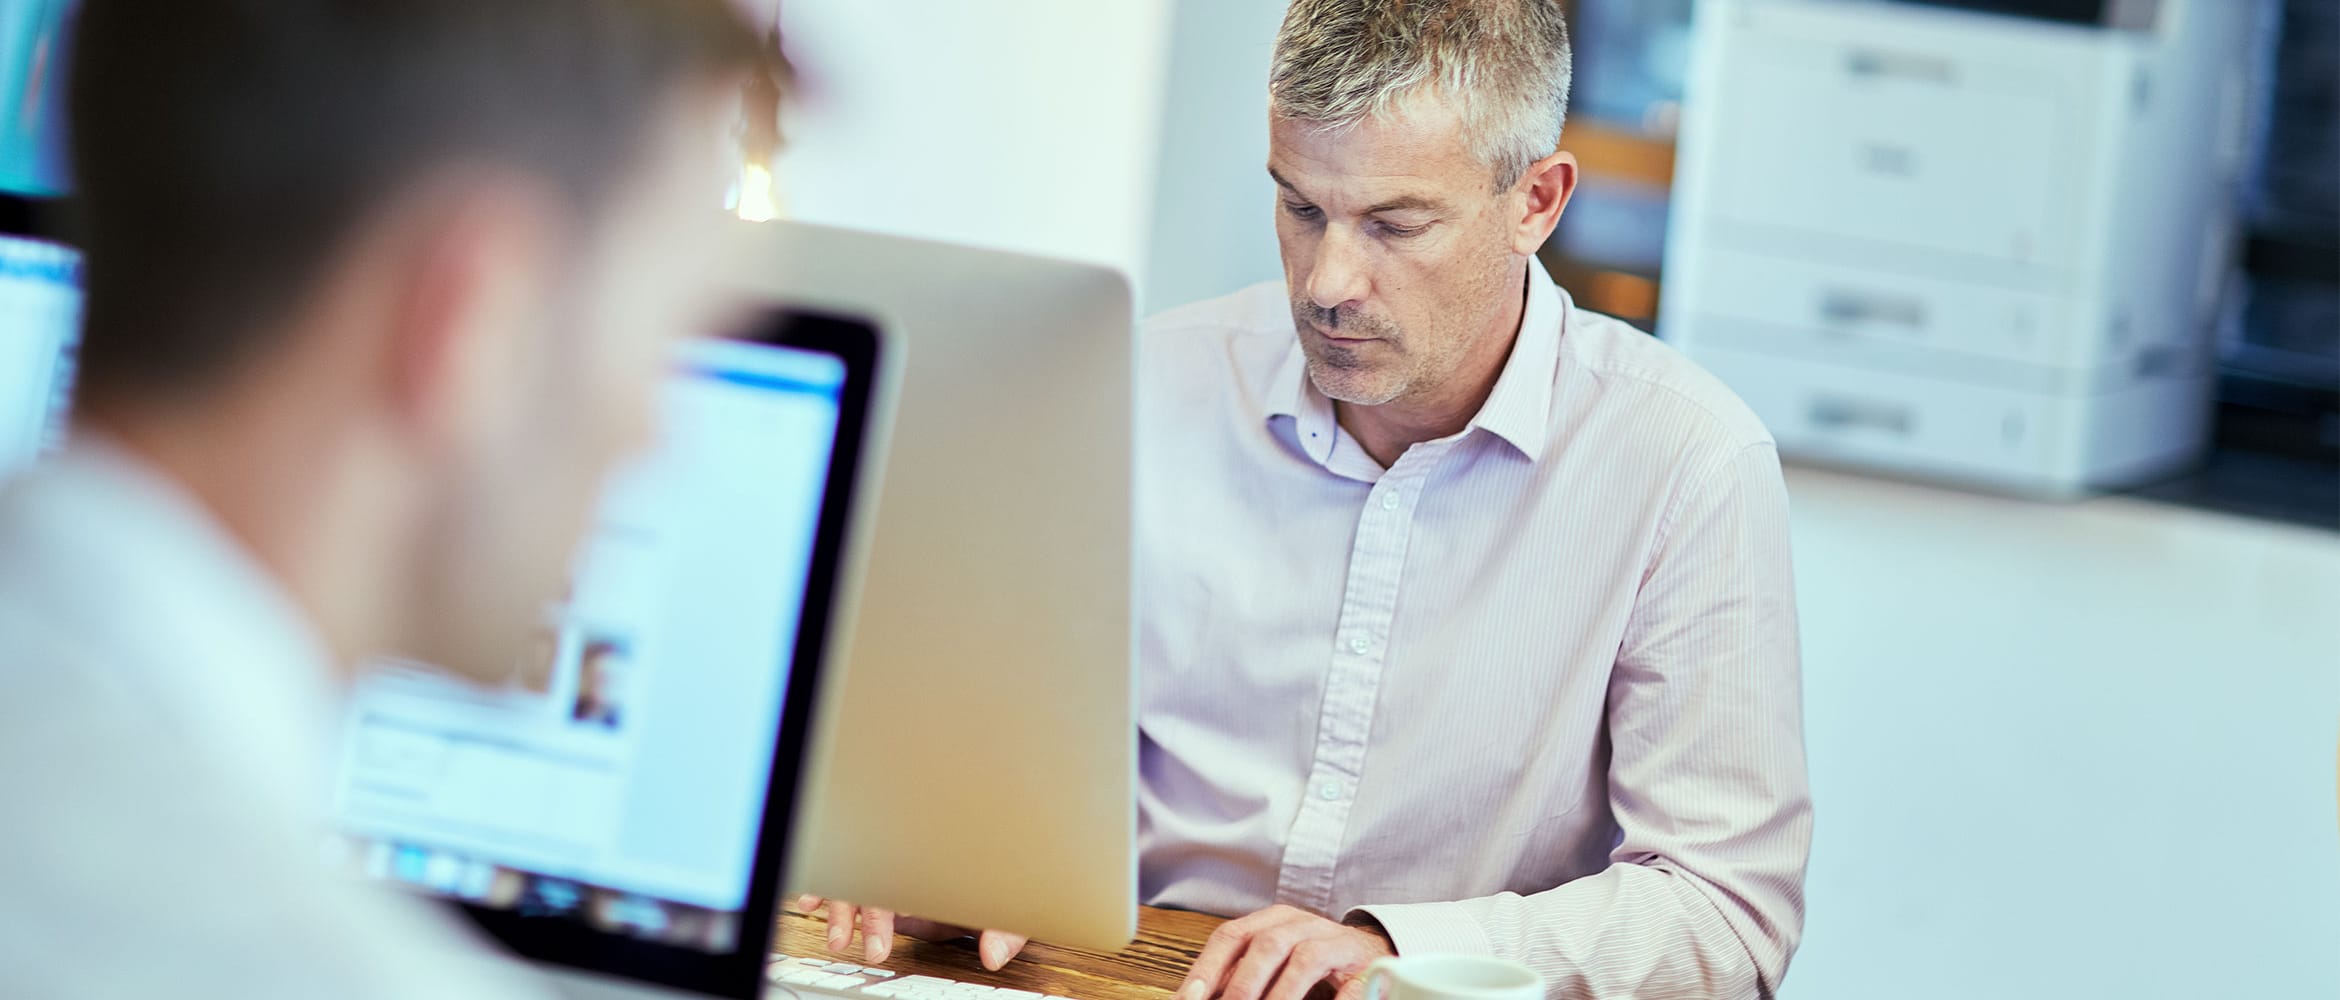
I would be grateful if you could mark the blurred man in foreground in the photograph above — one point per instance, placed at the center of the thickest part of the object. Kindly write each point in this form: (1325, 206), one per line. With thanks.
(1469, 623)
(378, 291)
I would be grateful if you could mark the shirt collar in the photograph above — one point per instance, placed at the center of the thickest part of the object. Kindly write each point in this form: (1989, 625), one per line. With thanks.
(1519, 410)
(1294, 396)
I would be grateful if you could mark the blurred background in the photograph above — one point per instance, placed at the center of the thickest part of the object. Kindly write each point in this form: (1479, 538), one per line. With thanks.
(2042, 298)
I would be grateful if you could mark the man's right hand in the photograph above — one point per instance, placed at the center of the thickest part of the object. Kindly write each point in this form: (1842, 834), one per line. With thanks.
(878, 928)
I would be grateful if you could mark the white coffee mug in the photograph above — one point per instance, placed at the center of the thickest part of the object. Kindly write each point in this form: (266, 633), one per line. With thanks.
(1451, 977)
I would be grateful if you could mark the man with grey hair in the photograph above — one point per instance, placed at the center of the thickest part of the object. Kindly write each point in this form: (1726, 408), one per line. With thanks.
(1469, 620)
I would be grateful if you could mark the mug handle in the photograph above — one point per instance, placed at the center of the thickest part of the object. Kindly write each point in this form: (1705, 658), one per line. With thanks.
(1376, 975)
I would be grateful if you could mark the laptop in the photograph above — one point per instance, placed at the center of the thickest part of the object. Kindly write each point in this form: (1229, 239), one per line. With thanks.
(618, 812)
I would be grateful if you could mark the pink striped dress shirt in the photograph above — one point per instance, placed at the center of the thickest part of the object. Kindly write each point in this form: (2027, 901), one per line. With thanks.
(1532, 691)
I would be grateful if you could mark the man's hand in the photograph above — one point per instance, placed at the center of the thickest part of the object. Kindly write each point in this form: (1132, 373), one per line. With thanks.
(1280, 953)
(878, 928)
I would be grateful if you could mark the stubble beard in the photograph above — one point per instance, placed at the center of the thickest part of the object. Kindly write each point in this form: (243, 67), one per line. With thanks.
(1342, 372)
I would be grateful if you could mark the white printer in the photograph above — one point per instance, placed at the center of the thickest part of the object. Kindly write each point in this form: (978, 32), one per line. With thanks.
(1972, 240)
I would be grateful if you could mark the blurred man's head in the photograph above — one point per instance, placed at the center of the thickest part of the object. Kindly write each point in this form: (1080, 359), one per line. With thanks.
(1415, 150)
(391, 283)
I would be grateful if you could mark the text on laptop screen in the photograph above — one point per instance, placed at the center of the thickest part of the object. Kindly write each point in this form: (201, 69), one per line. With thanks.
(619, 779)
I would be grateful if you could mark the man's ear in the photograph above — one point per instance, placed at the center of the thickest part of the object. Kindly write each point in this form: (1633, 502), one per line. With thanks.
(472, 279)
(1548, 184)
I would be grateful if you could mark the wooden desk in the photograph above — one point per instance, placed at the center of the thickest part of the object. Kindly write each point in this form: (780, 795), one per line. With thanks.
(1150, 969)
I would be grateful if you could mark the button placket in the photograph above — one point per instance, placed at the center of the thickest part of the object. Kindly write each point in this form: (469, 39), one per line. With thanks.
(1352, 686)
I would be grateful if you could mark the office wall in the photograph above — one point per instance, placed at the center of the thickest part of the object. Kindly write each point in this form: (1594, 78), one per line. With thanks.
(2058, 751)
(1022, 124)
(2065, 751)
(1212, 203)
(1132, 132)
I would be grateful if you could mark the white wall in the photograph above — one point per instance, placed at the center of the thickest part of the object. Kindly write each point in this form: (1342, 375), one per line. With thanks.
(1022, 124)
(1131, 132)
(1212, 223)
(2065, 751)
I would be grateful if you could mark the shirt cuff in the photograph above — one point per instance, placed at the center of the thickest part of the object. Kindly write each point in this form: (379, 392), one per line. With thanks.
(1428, 928)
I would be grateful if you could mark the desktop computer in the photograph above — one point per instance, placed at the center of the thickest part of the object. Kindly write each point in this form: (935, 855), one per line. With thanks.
(982, 765)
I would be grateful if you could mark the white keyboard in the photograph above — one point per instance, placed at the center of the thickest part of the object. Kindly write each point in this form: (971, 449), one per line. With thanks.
(820, 975)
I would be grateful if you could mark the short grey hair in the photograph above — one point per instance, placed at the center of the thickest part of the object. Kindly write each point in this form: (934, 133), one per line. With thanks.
(1503, 64)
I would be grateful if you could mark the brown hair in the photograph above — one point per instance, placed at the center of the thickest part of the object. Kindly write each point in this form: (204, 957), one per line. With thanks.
(224, 149)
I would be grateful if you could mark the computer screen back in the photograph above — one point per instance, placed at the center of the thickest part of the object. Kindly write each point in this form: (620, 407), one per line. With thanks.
(996, 616)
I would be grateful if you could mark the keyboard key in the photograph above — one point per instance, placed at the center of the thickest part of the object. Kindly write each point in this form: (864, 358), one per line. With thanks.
(879, 973)
(832, 981)
(1014, 995)
(840, 968)
(802, 977)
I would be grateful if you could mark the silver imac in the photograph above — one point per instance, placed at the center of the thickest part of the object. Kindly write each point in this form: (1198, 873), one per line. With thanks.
(977, 763)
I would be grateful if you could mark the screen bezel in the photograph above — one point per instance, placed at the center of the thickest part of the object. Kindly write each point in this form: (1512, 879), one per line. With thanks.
(34, 218)
(567, 942)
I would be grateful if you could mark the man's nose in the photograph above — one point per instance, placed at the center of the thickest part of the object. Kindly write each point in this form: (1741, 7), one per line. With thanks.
(1339, 275)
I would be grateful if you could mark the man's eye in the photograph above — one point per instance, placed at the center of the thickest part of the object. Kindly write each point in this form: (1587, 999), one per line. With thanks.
(1306, 213)
(1403, 232)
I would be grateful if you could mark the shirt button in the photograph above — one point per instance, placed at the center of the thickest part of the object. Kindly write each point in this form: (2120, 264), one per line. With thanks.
(1390, 500)
(1328, 791)
(1359, 644)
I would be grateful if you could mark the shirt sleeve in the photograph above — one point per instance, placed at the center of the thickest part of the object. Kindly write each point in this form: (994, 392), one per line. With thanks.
(1704, 892)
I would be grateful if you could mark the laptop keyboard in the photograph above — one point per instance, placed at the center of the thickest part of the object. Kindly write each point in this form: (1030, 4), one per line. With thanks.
(846, 979)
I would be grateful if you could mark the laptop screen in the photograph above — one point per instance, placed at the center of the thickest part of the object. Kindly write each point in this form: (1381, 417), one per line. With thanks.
(619, 780)
(40, 324)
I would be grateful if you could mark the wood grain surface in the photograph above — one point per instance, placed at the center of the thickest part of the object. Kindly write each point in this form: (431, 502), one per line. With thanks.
(1149, 969)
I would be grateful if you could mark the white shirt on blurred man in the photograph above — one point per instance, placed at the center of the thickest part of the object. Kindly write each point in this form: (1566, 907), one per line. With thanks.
(165, 717)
